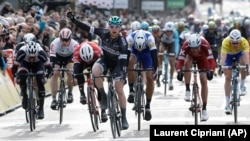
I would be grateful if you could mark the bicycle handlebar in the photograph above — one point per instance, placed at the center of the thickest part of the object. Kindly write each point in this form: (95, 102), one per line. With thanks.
(140, 69)
(62, 69)
(237, 67)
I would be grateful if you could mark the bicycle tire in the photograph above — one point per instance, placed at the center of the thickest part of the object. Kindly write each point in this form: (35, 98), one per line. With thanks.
(91, 108)
(61, 100)
(31, 109)
(166, 79)
(96, 116)
(27, 116)
(234, 103)
(195, 94)
(112, 114)
(118, 115)
(139, 94)
(166, 73)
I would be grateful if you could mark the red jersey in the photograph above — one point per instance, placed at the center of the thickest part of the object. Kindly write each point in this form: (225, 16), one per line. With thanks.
(97, 53)
(205, 54)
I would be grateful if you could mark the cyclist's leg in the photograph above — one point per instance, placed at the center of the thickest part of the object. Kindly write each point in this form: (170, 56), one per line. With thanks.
(98, 69)
(131, 78)
(23, 85)
(227, 85)
(69, 81)
(243, 72)
(171, 59)
(162, 48)
(39, 70)
(148, 63)
(78, 69)
(54, 86)
(187, 76)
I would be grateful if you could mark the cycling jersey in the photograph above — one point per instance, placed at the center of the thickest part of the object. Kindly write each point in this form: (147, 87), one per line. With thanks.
(148, 60)
(204, 58)
(56, 48)
(114, 49)
(227, 47)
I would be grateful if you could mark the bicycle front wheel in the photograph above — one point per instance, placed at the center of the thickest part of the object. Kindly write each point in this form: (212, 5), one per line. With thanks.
(195, 101)
(140, 101)
(91, 107)
(61, 101)
(112, 113)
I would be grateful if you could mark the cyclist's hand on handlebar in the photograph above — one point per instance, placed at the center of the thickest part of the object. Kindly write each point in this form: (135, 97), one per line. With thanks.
(70, 15)
(210, 75)
(179, 75)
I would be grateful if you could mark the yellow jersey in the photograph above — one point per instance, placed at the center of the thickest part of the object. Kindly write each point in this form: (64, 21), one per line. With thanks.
(227, 47)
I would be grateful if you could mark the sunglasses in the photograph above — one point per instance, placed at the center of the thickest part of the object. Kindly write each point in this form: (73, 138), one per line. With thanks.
(168, 30)
(65, 40)
(114, 26)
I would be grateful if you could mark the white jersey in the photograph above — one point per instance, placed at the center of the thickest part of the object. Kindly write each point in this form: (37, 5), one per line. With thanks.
(57, 48)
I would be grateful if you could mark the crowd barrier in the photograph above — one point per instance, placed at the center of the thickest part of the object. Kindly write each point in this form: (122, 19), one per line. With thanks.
(10, 98)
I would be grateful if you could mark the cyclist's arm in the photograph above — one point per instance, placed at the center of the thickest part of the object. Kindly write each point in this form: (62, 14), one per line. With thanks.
(182, 56)
(224, 48)
(153, 51)
(123, 54)
(176, 42)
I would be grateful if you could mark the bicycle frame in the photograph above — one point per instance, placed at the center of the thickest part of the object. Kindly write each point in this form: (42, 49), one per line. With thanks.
(113, 105)
(196, 102)
(92, 102)
(62, 92)
(139, 104)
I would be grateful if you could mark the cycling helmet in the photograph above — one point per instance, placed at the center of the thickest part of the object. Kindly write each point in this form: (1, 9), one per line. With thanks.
(65, 33)
(169, 26)
(29, 37)
(155, 28)
(194, 41)
(140, 40)
(32, 49)
(235, 35)
(86, 52)
(135, 25)
(211, 24)
(115, 20)
(144, 25)
(155, 22)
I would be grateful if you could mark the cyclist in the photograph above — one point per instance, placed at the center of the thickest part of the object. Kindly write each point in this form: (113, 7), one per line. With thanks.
(156, 31)
(85, 56)
(61, 53)
(234, 46)
(141, 45)
(31, 57)
(169, 43)
(196, 48)
(114, 47)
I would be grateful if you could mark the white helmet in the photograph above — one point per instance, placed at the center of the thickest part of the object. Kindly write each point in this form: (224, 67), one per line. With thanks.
(29, 37)
(65, 33)
(32, 49)
(169, 26)
(194, 40)
(140, 40)
(155, 22)
(86, 52)
(135, 25)
(235, 35)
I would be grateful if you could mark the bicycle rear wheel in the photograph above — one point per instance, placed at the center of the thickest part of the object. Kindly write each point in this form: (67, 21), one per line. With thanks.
(112, 114)
(91, 107)
(31, 107)
(166, 74)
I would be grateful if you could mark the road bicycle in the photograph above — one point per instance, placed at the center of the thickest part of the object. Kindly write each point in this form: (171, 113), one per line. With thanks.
(234, 92)
(139, 103)
(93, 104)
(32, 108)
(62, 96)
(196, 102)
(114, 111)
